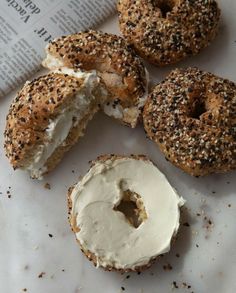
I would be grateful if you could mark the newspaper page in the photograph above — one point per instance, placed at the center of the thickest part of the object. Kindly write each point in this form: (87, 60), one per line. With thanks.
(26, 26)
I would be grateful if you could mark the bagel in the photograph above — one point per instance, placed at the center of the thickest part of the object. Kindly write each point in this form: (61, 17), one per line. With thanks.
(47, 117)
(116, 64)
(100, 213)
(191, 115)
(166, 31)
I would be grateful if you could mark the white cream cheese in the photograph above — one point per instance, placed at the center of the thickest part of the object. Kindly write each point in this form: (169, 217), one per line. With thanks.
(115, 111)
(105, 232)
(59, 128)
(52, 62)
(131, 114)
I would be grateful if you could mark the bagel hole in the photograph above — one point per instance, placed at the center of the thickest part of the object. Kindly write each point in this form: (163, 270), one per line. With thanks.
(165, 7)
(199, 108)
(131, 205)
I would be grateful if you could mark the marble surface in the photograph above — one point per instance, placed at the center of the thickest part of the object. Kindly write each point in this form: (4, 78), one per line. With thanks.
(204, 255)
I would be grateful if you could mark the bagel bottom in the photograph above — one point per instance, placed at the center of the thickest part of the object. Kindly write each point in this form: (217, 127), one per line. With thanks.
(108, 232)
(64, 129)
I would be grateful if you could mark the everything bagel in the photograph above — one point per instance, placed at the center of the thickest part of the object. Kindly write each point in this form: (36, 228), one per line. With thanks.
(191, 115)
(116, 64)
(166, 31)
(47, 117)
(100, 213)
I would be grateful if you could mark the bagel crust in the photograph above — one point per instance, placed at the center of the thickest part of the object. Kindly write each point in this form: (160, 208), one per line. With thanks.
(166, 31)
(114, 255)
(116, 64)
(191, 116)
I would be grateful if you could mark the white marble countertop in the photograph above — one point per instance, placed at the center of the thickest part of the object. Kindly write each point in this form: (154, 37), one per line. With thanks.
(203, 258)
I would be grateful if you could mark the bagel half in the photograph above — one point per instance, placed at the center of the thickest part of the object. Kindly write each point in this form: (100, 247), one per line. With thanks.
(47, 117)
(116, 64)
(124, 213)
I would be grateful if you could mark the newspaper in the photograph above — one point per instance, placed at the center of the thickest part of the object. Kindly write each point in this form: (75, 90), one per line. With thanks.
(26, 26)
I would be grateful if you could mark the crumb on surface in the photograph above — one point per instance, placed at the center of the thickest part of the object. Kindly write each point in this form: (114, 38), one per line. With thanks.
(41, 275)
(185, 285)
(47, 186)
(208, 223)
(174, 284)
(8, 192)
(167, 267)
(186, 224)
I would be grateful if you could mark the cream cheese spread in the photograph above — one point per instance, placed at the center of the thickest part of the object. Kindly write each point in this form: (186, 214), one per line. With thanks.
(59, 128)
(130, 114)
(105, 232)
(52, 62)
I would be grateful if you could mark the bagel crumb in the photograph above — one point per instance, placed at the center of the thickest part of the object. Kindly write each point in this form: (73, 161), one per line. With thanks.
(41, 275)
(186, 224)
(8, 194)
(47, 186)
(167, 267)
(174, 284)
(185, 285)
